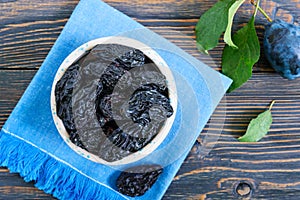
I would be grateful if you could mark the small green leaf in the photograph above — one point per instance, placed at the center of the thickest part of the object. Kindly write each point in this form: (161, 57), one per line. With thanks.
(231, 13)
(237, 63)
(212, 24)
(258, 127)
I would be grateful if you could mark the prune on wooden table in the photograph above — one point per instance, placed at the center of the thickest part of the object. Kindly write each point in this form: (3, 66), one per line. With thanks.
(137, 180)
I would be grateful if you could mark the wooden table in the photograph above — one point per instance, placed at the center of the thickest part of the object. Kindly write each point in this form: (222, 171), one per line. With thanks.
(269, 169)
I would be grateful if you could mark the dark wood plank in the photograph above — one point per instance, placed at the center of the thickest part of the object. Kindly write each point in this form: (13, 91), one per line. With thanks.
(28, 30)
(12, 186)
(12, 85)
(268, 169)
(29, 35)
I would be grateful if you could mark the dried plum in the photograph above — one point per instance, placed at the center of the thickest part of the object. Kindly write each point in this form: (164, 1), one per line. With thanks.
(136, 181)
(144, 98)
(63, 97)
(123, 90)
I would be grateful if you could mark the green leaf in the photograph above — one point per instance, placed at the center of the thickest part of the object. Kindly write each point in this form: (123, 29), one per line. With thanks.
(231, 13)
(258, 127)
(212, 24)
(237, 63)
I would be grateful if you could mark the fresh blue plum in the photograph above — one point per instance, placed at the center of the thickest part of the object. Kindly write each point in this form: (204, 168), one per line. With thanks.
(282, 48)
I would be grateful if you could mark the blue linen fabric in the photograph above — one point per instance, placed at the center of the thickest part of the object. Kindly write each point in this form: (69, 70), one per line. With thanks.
(31, 145)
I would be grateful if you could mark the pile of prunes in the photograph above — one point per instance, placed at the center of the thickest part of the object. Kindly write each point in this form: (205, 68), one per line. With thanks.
(113, 101)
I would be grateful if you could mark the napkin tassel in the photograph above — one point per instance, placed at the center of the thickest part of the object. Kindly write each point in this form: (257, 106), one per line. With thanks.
(51, 175)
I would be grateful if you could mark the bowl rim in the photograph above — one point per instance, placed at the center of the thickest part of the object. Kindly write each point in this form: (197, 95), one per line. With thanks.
(162, 66)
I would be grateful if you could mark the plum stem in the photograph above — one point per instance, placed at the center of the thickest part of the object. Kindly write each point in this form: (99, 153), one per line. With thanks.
(261, 10)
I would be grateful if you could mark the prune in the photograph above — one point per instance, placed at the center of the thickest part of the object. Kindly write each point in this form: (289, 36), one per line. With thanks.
(145, 96)
(63, 97)
(125, 93)
(282, 48)
(136, 181)
(143, 99)
(131, 59)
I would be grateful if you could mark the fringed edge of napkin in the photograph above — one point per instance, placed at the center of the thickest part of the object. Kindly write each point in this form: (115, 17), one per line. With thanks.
(49, 174)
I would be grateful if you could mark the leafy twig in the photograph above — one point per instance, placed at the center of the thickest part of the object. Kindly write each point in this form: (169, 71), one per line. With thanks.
(242, 50)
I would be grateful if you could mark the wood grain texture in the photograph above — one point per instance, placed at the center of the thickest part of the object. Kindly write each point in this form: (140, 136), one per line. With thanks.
(269, 169)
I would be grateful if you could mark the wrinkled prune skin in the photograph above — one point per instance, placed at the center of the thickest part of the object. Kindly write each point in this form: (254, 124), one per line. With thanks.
(282, 48)
(63, 98)
(136, 181)
(108, 98)
(143, 99)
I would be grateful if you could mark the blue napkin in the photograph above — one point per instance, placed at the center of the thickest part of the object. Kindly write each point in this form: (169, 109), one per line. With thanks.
(31, 145)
